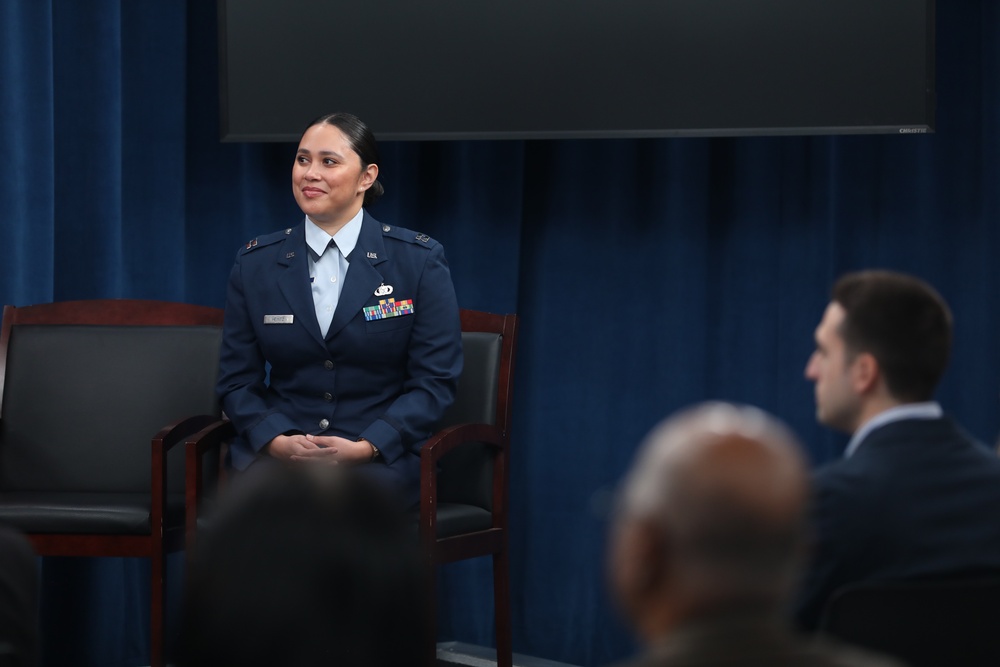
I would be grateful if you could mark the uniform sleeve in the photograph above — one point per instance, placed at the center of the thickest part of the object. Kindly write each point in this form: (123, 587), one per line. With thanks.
(434, 364)
(242, 371)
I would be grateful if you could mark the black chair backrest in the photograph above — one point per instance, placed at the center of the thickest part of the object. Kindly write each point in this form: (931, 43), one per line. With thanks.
(466, 474)
(926, 623)
(81, 403)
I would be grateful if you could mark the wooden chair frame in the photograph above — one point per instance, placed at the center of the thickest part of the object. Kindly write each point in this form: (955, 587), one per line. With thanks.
(162, 538)
(494, 540)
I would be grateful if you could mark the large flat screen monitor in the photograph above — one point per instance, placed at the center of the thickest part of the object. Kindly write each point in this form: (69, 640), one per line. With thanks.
(525, 69)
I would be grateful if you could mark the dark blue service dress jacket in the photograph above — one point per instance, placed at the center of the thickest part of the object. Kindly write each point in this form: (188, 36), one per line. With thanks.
(386, 370)
(918, 499)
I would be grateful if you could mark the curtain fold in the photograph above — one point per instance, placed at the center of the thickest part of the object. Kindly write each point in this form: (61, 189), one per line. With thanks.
(27, 150)
(649, 274)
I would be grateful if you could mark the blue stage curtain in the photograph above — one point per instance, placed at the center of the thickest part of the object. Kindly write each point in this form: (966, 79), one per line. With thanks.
(649, 274)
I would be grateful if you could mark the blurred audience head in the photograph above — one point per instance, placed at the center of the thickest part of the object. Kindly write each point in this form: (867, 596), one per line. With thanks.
(304, 566)
(710, 519)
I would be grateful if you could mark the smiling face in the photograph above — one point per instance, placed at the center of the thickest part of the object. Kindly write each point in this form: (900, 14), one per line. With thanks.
(328, 179)
(838, 404)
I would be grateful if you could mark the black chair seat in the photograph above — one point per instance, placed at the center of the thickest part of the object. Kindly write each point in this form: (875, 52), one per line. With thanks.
(64, 512)
(458, 519)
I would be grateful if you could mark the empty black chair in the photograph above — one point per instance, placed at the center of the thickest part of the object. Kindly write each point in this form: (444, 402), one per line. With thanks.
(93, 396)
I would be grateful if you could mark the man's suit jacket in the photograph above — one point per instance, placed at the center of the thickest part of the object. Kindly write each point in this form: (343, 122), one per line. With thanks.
(380, 374)
(919, 498)
(750, 640)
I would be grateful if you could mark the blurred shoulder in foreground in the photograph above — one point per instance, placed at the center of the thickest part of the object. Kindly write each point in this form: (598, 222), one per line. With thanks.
(302, 566)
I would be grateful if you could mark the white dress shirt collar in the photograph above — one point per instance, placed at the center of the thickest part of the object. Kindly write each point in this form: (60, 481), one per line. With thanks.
(927, 410)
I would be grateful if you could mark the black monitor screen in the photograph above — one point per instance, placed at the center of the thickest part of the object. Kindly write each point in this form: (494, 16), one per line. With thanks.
(458, 69)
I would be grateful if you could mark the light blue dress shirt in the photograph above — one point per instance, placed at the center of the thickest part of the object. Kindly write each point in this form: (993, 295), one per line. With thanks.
(328, 266)
(928, 410)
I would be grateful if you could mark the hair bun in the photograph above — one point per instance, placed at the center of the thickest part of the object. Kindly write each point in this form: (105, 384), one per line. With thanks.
(373, 193)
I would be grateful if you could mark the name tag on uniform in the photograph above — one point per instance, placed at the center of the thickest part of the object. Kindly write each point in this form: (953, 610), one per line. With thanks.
(278, 319)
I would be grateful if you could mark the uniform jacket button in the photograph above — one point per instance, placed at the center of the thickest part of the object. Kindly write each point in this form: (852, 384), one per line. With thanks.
(328, 365)
(323, 423)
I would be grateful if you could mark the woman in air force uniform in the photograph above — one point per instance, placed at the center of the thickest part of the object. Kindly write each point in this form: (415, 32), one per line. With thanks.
(342, 341)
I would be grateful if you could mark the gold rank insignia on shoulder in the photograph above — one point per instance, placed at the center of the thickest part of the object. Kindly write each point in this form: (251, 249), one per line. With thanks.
(251, 244)
(423, 238)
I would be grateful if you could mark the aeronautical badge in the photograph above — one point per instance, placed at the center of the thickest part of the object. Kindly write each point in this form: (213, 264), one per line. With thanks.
(383, 290)
(423, 238)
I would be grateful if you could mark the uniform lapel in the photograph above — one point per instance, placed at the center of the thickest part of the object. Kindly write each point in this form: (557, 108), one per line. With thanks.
(293, 281)
(362, 277)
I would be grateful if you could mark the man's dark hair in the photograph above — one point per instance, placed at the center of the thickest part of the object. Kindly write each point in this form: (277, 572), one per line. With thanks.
(902, 322)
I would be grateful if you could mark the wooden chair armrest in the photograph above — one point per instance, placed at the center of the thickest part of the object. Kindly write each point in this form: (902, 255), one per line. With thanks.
(436, 447)
(448, 439)
(174, 433)
(164, 440)
(210, 438)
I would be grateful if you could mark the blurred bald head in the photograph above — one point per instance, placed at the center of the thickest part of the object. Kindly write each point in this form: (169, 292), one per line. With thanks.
(711, 514)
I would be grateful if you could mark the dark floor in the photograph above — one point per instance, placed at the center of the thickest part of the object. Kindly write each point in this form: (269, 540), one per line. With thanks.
(457, 654)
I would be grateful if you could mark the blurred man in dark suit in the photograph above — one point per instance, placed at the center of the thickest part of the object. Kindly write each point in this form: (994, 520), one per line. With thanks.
(914, 496)
(707, 544)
